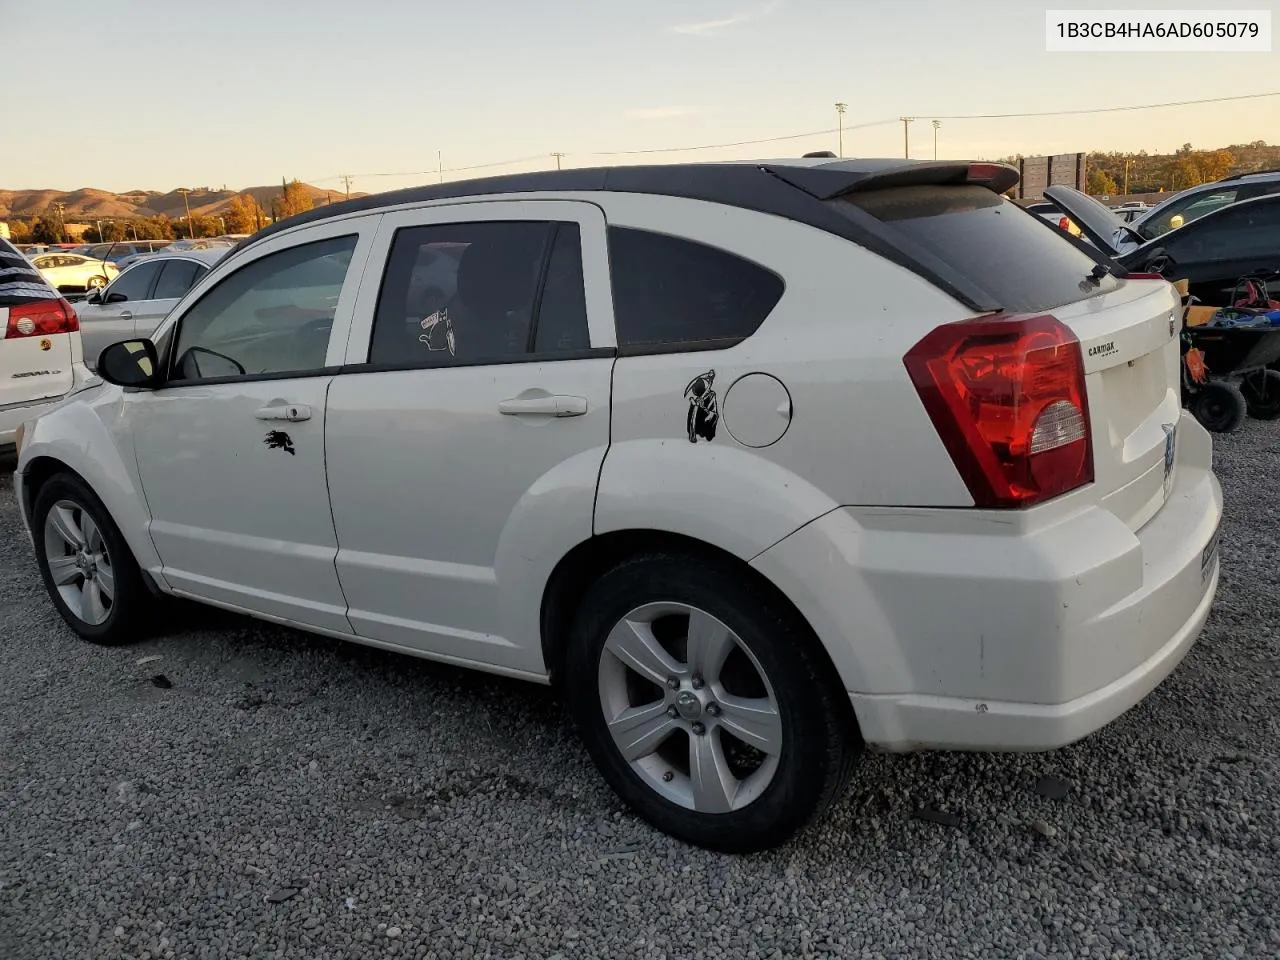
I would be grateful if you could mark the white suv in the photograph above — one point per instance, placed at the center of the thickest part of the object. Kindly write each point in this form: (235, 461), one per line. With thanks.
(759, 463)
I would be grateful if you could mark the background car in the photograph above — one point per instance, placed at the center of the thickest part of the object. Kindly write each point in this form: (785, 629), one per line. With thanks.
(124, 250)
(74, 271)
(1182, 208)
(135, 302)
(40, 345)
(1212, 252)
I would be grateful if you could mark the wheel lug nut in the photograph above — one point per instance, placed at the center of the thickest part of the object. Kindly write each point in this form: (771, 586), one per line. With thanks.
(713, 709)
(697, 683)
(699, 728)
(673, 683)
(672, 711)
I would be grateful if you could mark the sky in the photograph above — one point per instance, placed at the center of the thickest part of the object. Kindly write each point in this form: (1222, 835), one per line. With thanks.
(245, 92)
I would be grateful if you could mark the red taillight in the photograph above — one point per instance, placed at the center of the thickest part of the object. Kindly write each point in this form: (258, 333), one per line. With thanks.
(43, 318)
(1065, 224)
(1007, 397)
(982, 172)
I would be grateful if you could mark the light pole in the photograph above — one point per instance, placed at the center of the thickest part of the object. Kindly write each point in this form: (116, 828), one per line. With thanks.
(906, 136)
(936, 125)
(187, 203)
(840, 109)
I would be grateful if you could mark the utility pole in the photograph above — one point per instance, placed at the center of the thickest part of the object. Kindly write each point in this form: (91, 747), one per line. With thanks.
(906, 136)
(840, 109)
(1127, 161)
(559, 157)
(346, 178)
(440, 165)
(936, 125)
(62, 223)
(191, 227)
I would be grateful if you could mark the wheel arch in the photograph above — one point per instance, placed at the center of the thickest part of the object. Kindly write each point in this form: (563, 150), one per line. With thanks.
(583, 564)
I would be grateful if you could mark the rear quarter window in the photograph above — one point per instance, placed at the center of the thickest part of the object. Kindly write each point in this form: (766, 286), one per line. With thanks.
(672, 291)
(1016, 258)
(20, 282)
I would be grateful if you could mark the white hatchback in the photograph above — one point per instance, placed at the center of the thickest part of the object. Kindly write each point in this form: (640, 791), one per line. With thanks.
(759, 463)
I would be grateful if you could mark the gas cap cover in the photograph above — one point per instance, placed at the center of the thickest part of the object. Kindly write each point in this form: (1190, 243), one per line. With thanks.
(757, 410)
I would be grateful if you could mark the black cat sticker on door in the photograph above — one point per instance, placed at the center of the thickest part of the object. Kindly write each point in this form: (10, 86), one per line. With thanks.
(279, 440)
(704, 411)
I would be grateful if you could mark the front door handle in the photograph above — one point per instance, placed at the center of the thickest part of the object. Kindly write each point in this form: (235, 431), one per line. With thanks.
(126, 314)
(279, 410)
(547, 406)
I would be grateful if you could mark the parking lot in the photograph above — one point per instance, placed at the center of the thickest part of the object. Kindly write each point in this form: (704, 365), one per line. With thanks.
(234, 789)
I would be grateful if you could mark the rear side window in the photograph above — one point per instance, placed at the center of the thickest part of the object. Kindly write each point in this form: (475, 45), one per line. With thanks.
(1016, 258)
(668, 290)
(176, 279)
(484, 292)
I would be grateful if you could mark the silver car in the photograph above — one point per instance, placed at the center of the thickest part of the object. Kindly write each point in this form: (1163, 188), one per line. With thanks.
(135, 302)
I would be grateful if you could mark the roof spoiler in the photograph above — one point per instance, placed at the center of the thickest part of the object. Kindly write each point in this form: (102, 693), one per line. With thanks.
(831, 180)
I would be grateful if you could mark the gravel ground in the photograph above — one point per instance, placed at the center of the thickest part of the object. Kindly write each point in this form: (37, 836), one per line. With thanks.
(396, 808)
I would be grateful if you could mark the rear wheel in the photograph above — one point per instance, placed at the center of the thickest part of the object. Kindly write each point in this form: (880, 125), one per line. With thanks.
(707, 706)
(1219, 406)
(1262, 394)
(86, 566)
(96, 283)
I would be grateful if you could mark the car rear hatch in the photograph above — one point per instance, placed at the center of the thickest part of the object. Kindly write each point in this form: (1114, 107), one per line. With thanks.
(36, 330)
(1007, 261)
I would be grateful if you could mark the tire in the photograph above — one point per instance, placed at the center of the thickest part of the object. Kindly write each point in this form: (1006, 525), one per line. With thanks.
(95, 283)
(769, 655)
(1262, 394)
(1219, 406)
(119, 615)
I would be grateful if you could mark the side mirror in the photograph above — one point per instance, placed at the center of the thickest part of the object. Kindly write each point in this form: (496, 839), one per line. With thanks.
(130, 363)
(93, 295)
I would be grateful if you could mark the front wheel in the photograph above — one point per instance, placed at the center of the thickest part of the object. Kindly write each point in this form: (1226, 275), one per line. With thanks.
(707, 706)
(1261, 391)
(1219, 406)
(86, 565)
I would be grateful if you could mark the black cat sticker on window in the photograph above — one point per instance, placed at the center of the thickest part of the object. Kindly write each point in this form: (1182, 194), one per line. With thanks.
(704, 411)
(279, 440)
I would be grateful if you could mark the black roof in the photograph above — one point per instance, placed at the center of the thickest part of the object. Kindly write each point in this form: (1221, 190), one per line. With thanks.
(757, 186)
(786, 188)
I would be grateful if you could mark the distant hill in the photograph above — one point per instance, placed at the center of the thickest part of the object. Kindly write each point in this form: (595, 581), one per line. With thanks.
(88, 203)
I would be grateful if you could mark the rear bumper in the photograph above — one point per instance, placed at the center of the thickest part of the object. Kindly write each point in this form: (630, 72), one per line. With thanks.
(977, 631)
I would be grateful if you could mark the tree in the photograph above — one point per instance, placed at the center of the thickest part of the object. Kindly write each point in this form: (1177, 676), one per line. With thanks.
(245, 215)
(19, 231)
(1214, 164)
(47, 229)
(293, 200)
(1100, 184)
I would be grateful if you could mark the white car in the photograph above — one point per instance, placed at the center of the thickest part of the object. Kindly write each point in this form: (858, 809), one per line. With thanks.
(137, 300)
(40, 351)
(760, 464)
(75, 270)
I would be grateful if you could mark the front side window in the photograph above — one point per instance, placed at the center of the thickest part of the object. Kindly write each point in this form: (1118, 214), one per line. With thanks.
(1182, 212)
(272, 316)
(133, 284)
(1249, 230)
(471, 293)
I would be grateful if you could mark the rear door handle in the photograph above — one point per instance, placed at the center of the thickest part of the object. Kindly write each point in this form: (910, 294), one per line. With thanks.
(279, 410)
(548, 406)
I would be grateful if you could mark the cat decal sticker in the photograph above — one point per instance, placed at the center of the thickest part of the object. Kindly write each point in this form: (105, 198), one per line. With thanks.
(704, 411)
(279, 440)
(438, 332)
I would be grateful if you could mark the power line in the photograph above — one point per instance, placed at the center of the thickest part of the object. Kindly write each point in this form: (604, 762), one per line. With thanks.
(1136, 106)
(802, 136)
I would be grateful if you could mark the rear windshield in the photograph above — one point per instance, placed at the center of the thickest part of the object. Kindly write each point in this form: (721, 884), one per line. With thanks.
(20, 282)
(1020, 261)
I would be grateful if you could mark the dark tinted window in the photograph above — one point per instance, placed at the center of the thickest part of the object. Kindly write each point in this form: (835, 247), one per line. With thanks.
(176, 278)
(562, 311)
(1247, 230)
(133, 284)
(1004, 251)
(273, 315)
(669, 290)
(468, 293)
(19, 281)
